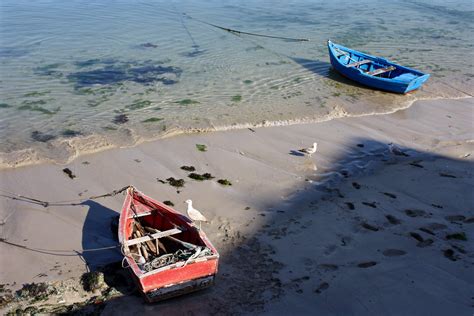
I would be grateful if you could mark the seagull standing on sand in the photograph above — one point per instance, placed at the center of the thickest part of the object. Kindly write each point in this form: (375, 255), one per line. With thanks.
(310, 150)
(194, 214)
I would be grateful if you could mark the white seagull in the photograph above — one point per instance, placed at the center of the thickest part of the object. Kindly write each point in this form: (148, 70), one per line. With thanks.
(309, 150)
(194, 214)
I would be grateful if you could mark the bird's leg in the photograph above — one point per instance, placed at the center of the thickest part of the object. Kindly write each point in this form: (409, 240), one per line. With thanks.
(200, 225)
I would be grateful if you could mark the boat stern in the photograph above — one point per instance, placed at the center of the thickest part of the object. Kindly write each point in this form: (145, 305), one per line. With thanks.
(417, 83)
(179, 289)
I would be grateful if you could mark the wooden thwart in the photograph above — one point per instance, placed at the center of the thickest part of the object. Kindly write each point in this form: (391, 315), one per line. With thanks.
(162, 234)
(381, 71)
(358, 63)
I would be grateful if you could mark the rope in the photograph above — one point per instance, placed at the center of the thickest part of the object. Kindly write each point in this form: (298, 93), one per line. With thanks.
(57, 252)
(77, 202)
(237, 32)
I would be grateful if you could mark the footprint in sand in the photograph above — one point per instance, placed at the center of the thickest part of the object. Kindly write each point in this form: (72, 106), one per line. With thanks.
(323, 286)
(392, 219)
(393, 252)
(371, 204)
(449, 253)
(390, 195)
(455, 218)
(446, 175)
(367, 264)
(415, 213)
(350, 205)
(436, 226)
(426, 230)
(369, 227)
(328, 267)
(421, 241)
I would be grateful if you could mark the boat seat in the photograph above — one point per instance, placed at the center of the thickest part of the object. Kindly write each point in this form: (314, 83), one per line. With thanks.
(380, 71)
(162, 234)
(406, 77)
(358, 63)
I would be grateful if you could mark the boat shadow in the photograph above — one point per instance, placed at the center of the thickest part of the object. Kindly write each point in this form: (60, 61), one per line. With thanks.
(99, 236)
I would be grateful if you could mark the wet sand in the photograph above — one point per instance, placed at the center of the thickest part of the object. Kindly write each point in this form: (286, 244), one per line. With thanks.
(358, 228)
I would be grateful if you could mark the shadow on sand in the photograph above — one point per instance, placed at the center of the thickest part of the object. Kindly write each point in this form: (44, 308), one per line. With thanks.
(368, 235)
(98, 232)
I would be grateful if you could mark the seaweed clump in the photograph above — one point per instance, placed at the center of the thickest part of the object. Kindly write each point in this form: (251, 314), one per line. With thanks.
(6, 296)
(93, 281)
(145, 73)
(36, 291)
(188, 168)
(120, 119)
(41, 137)
(201, 147)
(224, 182)
(178, 183)
(200, 177)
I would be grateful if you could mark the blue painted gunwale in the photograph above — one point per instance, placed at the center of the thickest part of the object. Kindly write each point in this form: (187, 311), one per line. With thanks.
(400, 80)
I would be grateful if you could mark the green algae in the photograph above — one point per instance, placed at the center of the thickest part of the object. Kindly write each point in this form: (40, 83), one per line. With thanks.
(36, 108)
(36, 93)
(138, 104)
(248, 81)
(187, 102)
(201, 147)
(236, 98)
(4, 105)
(152, 120)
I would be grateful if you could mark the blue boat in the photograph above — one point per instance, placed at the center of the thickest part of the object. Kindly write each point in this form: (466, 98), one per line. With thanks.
(375, 72)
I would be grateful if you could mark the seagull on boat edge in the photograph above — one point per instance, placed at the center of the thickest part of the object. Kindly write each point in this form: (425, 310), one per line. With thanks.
(194, 214)
(310, 150)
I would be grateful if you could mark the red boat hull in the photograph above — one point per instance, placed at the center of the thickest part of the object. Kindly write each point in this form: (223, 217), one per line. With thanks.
(175, 279)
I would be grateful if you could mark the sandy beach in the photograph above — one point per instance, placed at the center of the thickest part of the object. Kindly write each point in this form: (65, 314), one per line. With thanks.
(360, 228)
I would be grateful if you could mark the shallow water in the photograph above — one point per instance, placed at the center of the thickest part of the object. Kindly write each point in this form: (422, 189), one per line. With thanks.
(78, 77)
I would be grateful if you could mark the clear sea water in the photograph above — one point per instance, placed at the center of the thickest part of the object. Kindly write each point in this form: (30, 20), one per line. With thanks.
(78, 76)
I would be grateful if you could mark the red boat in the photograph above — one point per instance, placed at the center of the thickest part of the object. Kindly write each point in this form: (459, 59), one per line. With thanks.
(165, 252)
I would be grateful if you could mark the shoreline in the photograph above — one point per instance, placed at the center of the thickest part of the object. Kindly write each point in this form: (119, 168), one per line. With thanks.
(105, 145)
(342, 226)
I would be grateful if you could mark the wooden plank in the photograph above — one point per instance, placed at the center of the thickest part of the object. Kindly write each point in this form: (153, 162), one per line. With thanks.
(149, 243)
(380, 71)
(152, 237)
(358, 63)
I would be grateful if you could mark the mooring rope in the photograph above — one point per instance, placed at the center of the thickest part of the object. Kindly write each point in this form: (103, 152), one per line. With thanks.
(23, 198)
(237, 32)
(57, 252)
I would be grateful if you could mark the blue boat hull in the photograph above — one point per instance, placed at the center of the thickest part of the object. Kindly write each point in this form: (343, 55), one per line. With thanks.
(398, 79)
